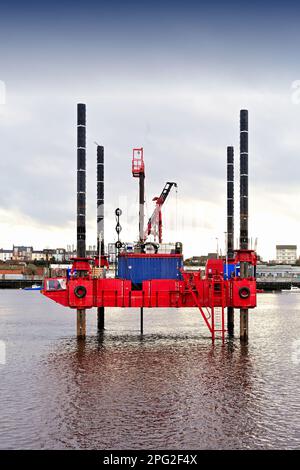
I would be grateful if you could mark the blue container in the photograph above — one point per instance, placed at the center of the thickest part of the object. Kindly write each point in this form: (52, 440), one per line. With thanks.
(231, 270)
(138, 267)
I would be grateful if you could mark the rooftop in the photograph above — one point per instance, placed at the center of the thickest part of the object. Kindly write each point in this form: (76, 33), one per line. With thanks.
(286, 247)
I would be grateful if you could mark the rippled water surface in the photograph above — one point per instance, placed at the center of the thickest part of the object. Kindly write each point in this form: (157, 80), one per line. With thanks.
(171, 389)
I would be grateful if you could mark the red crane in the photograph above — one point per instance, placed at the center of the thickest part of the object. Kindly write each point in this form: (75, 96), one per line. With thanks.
(154, 225)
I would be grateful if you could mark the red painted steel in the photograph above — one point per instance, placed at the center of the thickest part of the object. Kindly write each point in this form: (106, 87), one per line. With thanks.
(154, 225)
(146, 255)
(84, 285)
(248, 256)
(138, 165)
(211, 294)
(102, 262)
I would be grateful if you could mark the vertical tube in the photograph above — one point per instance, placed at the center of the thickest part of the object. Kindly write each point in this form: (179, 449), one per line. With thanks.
(142, 320)
(141, 206)
(230, 202)
(244, 210)
(244, 179)
(100, 200)
(81, 197)
(81, 324)
(100, 221)
(81, 182)
(230, 225)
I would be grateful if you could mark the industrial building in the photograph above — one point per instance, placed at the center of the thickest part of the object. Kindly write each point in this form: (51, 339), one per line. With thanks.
(286, 254)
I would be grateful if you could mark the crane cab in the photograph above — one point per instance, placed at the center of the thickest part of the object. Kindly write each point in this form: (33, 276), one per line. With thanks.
(138, 166)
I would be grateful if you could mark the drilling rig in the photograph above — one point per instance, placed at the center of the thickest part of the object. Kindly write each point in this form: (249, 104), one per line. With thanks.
(156, 280)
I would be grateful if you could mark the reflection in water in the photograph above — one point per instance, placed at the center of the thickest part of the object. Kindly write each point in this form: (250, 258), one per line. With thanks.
(165, 392)
(171, 389)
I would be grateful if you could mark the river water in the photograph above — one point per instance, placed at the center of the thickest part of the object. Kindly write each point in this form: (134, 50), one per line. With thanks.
(171, 389)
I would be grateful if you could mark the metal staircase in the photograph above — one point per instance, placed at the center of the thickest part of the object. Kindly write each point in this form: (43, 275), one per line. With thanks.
(215, 316)
(217, 306)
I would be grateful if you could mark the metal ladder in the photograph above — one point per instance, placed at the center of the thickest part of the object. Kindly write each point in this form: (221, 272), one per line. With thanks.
(217, 295)
(189, 282)
(215, 319)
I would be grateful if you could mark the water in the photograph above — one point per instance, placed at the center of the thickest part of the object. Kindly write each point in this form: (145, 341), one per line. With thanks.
(170, 390)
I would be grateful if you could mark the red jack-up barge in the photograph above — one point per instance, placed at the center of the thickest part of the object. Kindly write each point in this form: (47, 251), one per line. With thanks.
(156, 280)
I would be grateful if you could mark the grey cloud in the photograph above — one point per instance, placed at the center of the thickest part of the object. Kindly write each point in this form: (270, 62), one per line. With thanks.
(181, 144)
(184, 132)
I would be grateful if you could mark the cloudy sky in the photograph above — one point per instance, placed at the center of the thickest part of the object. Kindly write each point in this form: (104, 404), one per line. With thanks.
(168, 76)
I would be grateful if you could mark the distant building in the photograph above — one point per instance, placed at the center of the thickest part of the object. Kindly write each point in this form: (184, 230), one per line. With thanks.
(5, 255)
(48, 254)
(59, 255)
(111, 251)
(91, 251)
(279, 271)
(200, 260)
(286, 254)
(70, 253)
(38, 255)
(22, 253)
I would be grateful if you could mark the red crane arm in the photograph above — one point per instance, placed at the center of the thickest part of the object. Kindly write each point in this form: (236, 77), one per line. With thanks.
(155, 221)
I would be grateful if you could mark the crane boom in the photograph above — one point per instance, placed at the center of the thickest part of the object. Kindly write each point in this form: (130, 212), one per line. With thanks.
(154, 225)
